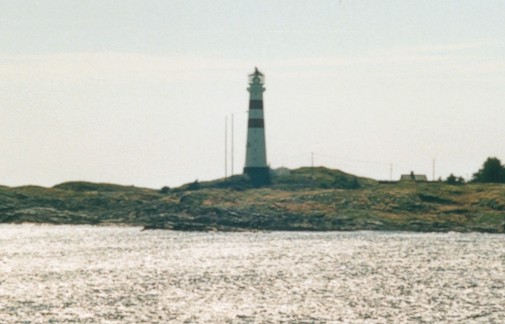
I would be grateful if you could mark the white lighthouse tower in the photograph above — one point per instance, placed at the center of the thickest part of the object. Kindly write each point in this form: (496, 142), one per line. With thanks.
(256, 155)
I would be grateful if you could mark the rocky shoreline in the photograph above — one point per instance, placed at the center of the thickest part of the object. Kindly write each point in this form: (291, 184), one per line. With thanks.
(307, 199)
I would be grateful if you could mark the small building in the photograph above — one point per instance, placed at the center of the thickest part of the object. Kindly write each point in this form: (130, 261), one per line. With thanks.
(282, 171)
(413, 177)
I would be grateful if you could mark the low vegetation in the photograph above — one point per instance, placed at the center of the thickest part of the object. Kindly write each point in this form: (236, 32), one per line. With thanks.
(303, 199)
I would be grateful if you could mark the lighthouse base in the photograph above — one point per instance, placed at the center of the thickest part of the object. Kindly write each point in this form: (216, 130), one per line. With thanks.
(260, 176)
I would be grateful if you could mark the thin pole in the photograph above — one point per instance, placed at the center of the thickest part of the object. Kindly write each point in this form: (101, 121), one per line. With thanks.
(391, 172)
(232, 146)
(433, 169)
(312, 165)
(226, 147)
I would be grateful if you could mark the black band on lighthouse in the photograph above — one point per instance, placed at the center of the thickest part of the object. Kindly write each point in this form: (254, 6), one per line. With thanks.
(256, 123)
(255, 104)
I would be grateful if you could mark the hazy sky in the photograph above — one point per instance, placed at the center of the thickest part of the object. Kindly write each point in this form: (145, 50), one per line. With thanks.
(136, 92)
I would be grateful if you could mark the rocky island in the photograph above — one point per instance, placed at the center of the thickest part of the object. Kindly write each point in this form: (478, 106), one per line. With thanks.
(305, 199)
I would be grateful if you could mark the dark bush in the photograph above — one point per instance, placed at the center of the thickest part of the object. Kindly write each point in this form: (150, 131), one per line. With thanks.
(492, 172)
(194, 185)
(453, 180)
(165, 190)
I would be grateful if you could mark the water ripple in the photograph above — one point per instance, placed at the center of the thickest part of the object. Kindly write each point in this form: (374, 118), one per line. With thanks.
(89, 274)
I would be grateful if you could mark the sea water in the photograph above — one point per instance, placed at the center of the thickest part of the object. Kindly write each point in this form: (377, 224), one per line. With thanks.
(89, 274)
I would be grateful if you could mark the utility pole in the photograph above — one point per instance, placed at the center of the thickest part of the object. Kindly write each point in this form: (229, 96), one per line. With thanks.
(390, 171)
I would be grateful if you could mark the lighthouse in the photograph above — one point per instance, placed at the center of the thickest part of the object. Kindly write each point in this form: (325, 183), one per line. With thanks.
(256, 154)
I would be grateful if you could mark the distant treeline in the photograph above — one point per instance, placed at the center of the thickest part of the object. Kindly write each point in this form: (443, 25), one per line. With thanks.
(492, 171)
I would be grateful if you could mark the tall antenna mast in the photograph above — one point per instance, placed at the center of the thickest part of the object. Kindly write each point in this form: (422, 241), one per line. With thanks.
(226, 147)
(232, 155)
(433, 169)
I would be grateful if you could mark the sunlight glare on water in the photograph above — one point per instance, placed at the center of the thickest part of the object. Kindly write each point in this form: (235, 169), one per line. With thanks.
(125, 275)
